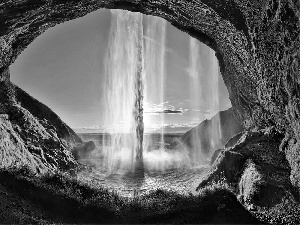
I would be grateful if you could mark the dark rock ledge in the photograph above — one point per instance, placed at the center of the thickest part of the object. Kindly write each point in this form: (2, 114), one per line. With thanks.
(259, 173)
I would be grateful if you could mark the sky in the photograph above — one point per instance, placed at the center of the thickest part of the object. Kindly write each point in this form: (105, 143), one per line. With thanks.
(64, 69)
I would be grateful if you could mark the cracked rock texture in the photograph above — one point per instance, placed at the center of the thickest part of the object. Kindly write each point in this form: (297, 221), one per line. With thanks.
(257, 43)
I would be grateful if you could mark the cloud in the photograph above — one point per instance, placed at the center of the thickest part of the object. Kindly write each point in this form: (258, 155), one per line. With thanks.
(163, 108)
(166, 111)
(170, 111)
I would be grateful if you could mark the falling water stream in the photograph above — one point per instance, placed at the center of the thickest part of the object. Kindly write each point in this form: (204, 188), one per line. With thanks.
(154, 71)
(199, 71)
(124, 91)
(195, 93)
(214, 103)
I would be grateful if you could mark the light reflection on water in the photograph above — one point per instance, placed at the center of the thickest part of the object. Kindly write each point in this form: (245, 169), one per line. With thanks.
(165, 169)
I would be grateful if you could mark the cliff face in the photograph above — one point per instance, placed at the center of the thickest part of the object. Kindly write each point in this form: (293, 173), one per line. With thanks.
(256, 41)
(211, 135)
(31, 134)
(47, 117)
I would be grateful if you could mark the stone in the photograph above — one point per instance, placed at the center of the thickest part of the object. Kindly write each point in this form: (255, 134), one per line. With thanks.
(257, 171)
(257, 187)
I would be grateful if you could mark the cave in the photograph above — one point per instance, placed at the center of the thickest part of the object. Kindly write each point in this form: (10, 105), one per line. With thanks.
(256, 43)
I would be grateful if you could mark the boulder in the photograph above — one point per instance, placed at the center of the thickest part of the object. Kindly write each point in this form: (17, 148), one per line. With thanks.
(259, 173)
(263, 185)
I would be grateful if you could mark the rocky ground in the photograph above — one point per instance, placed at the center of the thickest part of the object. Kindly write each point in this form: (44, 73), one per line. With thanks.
(61, 199)
(248, 184)
(259, 174)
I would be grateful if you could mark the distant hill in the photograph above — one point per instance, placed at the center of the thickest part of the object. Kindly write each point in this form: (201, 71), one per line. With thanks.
(211, 135)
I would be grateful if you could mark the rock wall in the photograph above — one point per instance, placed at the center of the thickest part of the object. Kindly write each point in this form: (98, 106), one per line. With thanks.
(46, 116)
(258, 173)
(256, 41)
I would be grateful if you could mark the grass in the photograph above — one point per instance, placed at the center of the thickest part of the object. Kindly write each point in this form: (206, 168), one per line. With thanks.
(63, 199)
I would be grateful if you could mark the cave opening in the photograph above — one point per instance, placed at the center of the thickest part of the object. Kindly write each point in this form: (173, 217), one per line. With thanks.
(260, 73)
(65, 70)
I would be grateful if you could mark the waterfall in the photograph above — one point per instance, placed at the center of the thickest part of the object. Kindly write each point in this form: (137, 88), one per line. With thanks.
(124, 91)
(128, 78)
(139, 92)
(214, 101)
(154, 70)
(204, 94)
(195, 72)
(135, 78)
